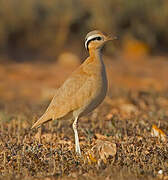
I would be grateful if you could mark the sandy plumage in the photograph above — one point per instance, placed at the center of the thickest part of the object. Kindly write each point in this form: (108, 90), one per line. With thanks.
(84, 90)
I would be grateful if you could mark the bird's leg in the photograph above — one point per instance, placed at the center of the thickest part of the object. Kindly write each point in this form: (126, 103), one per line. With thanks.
(75, 126)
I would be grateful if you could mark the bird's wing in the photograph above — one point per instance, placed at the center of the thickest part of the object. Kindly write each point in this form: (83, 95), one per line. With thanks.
(73, 94)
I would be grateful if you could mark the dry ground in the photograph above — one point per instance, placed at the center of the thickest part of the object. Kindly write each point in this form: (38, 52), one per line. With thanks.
(116, 138)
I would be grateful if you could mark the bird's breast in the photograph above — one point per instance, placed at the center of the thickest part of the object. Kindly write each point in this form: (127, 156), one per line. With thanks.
(99, 90)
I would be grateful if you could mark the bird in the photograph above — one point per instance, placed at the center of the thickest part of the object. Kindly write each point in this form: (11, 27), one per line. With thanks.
(84, 90)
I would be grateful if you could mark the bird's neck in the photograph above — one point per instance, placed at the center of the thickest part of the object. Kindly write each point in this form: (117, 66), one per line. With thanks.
(96, 55)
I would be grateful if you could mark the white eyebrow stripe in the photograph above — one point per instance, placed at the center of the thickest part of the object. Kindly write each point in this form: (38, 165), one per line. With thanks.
(89, 38)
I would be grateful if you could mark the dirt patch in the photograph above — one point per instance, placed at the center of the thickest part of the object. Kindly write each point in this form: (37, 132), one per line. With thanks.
(137, 101)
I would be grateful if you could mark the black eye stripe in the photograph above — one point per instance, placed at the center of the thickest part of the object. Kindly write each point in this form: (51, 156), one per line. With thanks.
(98, 38)
(95, 38)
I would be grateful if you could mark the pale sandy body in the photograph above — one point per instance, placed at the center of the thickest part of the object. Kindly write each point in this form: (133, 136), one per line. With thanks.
(84, 90)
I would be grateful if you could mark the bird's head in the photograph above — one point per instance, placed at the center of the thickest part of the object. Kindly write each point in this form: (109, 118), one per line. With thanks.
(96, 39)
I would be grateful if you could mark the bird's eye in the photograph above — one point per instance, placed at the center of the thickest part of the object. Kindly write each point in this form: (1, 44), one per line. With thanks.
(98, 38)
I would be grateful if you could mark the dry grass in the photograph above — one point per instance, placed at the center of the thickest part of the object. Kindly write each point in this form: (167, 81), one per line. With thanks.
(125, 119)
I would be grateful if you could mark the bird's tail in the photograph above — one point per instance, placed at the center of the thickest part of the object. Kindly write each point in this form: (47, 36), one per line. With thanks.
(42, 120)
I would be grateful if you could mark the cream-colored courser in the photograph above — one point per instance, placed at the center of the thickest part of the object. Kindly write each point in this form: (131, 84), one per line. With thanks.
(84, 90)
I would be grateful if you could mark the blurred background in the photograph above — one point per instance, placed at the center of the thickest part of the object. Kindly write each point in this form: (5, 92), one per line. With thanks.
(32, 28)
(42, 42)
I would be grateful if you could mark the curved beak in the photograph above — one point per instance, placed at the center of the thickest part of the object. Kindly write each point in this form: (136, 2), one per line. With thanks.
(111, 38)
